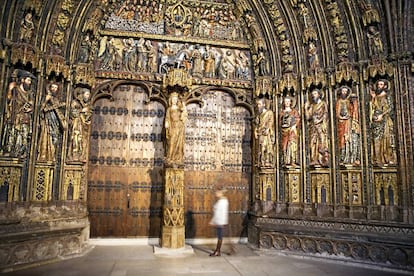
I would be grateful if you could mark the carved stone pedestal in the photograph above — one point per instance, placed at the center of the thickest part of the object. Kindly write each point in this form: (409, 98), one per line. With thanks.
(173, 237)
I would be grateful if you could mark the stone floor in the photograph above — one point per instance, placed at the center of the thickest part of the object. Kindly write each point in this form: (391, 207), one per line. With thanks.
(118, 259)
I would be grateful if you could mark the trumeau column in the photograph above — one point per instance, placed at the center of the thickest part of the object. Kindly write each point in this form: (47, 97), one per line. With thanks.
(176, 84)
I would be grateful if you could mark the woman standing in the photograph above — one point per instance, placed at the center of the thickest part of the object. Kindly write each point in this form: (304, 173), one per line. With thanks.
(220, 219)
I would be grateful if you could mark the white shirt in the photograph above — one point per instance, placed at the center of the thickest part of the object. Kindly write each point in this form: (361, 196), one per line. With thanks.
(220, 212)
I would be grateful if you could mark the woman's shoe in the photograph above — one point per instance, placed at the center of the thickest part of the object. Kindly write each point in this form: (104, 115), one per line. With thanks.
(215, 254)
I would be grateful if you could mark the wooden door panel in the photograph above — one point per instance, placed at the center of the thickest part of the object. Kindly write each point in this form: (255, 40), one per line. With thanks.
(125, 184)
(217, 155)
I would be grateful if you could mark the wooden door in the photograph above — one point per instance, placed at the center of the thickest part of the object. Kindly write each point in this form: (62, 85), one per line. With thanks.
(217, 155)
(125, 181)
(125, 167)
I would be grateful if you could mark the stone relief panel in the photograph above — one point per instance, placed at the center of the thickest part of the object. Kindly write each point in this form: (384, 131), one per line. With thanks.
(206, 19)
(134, 56)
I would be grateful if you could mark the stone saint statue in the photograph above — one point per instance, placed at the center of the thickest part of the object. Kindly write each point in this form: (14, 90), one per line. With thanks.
(80, 121)
(382, 124)
(18, 116)
(289, 122)
(52, 124)
(316, 112)
(265, 134)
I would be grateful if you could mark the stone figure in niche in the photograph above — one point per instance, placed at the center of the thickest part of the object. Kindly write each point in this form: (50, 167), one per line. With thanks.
(316, 112)
(80, 121)
(52, 124)
(313, 57)
(265, 134)
(252, 25)
(26, 28)
(18, 116)
(209, 58)
(260, 64)
(376, 46)
(175, 119)
(381, 115)
(85, 49)
(348, 126)
(289, 122)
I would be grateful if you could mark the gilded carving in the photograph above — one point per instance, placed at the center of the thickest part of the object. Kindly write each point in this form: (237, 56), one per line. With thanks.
(267, 187)
(173, 209)
(316, 113)
(370, 14)
(10, 183)
(348, 126)
(24, 53)
(18, 116)
(289, 123)
(345, 71)
(375, 44)
(351, 188)
(84, 74)
(283, 35)
(265, 134)
(341, 41)
(52, 124)
(293, 186)
(72, 187)
(386, 188)
(320, 188)
(43, 183)
(288, 82)
(27, 27)
(57, 65)
(79, 125)
(381, 115)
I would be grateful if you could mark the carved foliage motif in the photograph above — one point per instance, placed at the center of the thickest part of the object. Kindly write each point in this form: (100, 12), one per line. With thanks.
(10, 183)
(42, 190)
(361, 251)
(173, 214)
(386, 191)
(321, 188)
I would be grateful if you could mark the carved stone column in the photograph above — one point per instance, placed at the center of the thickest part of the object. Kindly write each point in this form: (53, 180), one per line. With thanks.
(173, 232)
(176, 84)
